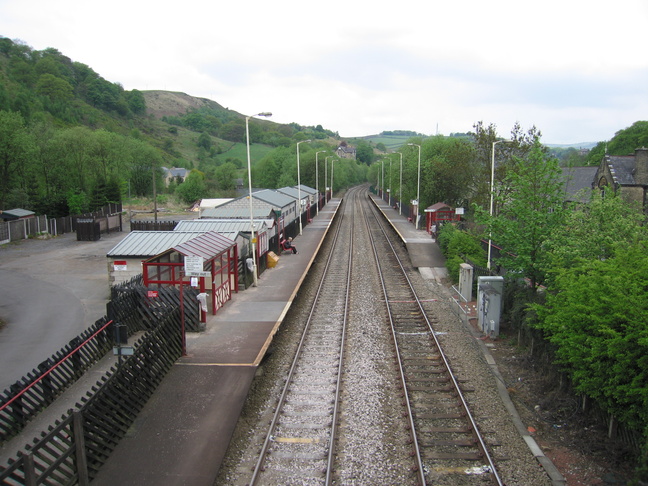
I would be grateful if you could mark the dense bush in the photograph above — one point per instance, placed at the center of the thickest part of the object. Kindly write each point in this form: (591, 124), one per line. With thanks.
(457, 246)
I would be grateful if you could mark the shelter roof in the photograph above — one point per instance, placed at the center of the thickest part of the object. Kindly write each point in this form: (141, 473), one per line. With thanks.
(293, 192)
(16, 213)
(438, 207)
(149, 243)
(232, 211)
(274, 198)
(307, 189)
(223, 225)
(207, 245)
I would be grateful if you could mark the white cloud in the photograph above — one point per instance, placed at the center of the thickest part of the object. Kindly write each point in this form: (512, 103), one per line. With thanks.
(577, 69)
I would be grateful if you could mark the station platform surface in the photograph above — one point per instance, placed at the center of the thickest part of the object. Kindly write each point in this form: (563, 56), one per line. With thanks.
(423, 250)
(182, 434)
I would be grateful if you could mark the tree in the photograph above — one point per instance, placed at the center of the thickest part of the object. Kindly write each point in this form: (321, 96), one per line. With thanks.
(225, 176)
(590, 233)
(364, 152)
(529, 213)
(596, 317)
(17, 149)
(193, 188)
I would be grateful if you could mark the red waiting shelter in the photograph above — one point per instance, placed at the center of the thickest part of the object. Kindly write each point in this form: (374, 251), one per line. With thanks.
(437, 214)
(220, 257)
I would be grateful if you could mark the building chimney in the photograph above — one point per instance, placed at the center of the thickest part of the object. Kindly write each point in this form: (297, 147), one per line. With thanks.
(641, 166)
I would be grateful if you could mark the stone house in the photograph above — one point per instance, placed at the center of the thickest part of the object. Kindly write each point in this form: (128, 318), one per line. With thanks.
(626, 175)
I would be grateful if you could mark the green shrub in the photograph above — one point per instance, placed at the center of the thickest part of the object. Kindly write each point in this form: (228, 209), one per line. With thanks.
(457, 245)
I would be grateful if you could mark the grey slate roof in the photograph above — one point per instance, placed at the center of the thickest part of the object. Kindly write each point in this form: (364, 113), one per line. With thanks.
(149, 243)
(222, 226)
(231, 211)
(310, 190)
(578, 182)
(293, 192)
(622, 167)
(273, 198)
(16, 213)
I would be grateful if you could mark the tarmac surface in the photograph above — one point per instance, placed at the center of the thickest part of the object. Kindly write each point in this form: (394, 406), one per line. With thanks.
(182, 434)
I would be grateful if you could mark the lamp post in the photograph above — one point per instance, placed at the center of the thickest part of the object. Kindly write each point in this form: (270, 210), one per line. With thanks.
(252, 235)
(299, 188)
(492, 192)
(326, 177)
(418, 186)
(400, 185)
(382, 178)
(332, 161)
(317, 180)
(389, 188)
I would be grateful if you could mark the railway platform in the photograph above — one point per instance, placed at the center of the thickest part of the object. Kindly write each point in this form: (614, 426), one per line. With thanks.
(182, 434)
(423, 251)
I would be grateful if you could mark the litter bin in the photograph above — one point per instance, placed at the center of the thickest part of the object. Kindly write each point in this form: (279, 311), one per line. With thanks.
(272, 259)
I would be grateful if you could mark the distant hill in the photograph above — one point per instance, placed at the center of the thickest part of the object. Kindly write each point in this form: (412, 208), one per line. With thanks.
(581, 145)
(170, 103)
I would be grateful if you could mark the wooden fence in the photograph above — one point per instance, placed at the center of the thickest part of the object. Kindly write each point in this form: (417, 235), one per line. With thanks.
(153, 225)
(130, 305)
(73, 449)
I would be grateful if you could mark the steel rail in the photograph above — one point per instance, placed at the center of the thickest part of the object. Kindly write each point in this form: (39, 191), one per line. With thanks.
(455, 383)
(268, 439)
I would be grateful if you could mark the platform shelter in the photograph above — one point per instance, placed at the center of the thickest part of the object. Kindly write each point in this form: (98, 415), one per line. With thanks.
(438, 214)
(219, 255)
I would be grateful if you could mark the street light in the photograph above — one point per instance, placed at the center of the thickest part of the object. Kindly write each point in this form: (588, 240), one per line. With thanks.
(492, 191)
(326, 176)
(400, 184)
(317, 179)
(389, 196)
(418, 186)
(299, 188)
(252, 236)
(332, 177)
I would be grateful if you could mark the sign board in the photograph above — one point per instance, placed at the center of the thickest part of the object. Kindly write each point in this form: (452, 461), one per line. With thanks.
(193, 264)
(459, 211)
(123, 350)
(152, 294)
(198, 274)
(120, 265)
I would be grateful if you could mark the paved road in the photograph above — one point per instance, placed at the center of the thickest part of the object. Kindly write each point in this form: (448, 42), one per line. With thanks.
(50, 291)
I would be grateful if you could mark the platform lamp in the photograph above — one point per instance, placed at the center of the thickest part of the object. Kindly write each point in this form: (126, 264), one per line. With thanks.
(317, 179)
(400, 184)
(252, 235)
(418, 186)
(299, 201)
(492, 192)
(326, 177)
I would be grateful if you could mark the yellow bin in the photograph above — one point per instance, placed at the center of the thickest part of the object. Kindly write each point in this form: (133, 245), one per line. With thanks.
(272, 259)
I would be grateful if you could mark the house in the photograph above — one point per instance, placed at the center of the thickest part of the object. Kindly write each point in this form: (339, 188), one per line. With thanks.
(345, 151)
(626, 175)
(578, 183)
(177, 174)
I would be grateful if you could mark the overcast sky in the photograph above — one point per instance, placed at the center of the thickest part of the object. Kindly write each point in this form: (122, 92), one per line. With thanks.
(576, 69)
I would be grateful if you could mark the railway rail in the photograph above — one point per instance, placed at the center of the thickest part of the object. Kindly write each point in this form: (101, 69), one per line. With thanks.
(314, 436)
(445, 435)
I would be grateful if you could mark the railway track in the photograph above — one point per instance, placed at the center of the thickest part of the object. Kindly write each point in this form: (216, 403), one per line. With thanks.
(312, 437)
(445, 436)
(298, 448)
